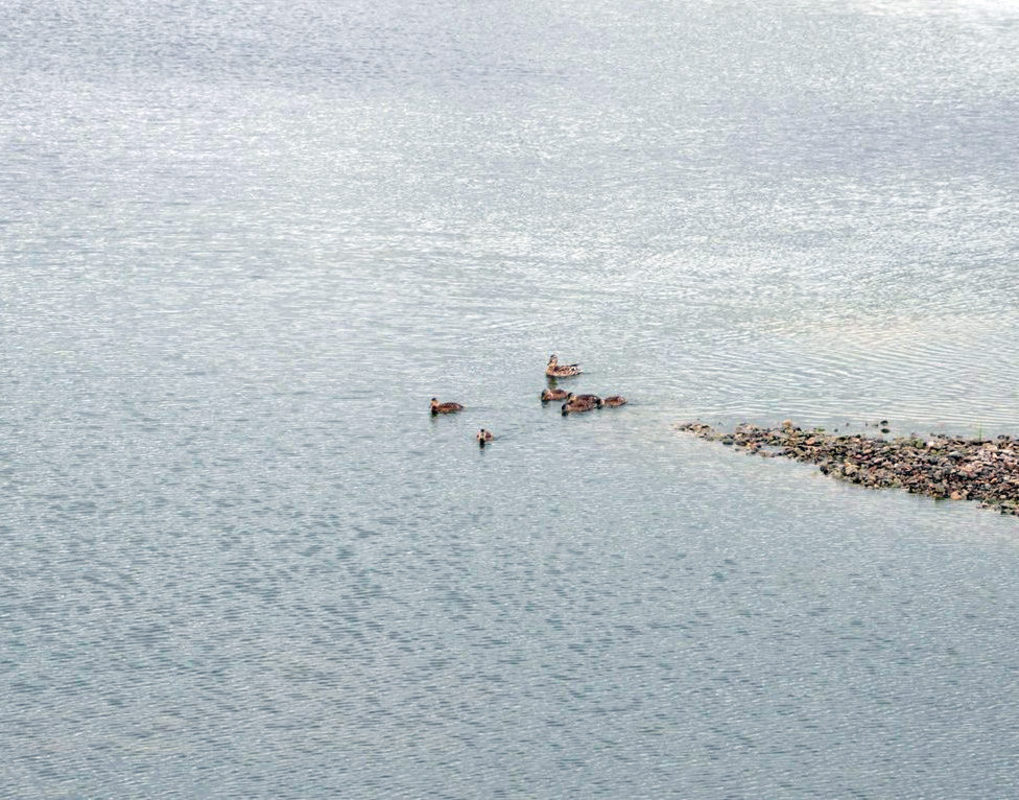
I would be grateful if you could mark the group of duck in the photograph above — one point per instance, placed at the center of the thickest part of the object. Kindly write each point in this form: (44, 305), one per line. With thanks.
(574, 403)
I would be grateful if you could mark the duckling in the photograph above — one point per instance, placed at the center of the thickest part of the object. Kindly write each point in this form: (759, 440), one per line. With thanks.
(444, 408)
(554, 394)
(556, 370)
(484, 436)
(586, 398)
(615, 400)
(575, 405)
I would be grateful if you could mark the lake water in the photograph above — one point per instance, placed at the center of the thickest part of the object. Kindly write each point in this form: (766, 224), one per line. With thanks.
(241, 246)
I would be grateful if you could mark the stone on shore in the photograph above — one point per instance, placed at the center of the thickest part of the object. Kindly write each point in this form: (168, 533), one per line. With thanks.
(940, 466)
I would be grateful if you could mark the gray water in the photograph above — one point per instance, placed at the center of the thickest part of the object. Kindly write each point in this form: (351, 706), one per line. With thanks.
(242, 244)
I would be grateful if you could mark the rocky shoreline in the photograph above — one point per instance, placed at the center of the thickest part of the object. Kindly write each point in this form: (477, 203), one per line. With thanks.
(938, 466)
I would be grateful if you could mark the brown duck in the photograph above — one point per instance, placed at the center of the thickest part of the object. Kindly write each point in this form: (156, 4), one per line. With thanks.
(575, 405)
(444, 408)
(554, 394)
(484, 436)
(556, 370)
(586, 398)
(614, 400)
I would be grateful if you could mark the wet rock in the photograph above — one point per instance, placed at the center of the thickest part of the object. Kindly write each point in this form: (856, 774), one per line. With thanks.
(939, 466)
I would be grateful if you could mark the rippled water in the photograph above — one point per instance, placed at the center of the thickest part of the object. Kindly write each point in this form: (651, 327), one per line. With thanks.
(241, 247)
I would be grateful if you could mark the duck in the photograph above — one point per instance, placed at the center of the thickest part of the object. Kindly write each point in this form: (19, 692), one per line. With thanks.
(575, 405)
(483, 436)
(554, 394)
(614, 400)
(444, 408)
(556, 370)
(585, 398)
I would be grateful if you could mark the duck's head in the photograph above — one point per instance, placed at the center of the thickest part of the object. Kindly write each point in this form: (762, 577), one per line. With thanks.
(553, 360)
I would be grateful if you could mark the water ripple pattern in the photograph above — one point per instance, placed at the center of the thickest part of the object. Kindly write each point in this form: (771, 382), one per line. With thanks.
(242, 244)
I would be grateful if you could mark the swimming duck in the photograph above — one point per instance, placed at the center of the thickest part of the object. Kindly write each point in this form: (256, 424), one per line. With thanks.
(556, 370)
(444, 408)
(614, 400)
(585, 398)
(484, 436)
(554, 394)
(575, 405)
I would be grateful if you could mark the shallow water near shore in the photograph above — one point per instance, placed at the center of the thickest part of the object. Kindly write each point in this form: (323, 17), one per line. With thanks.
(244, 246)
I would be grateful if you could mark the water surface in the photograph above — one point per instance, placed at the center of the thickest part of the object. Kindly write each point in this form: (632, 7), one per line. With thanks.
(243, 245)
